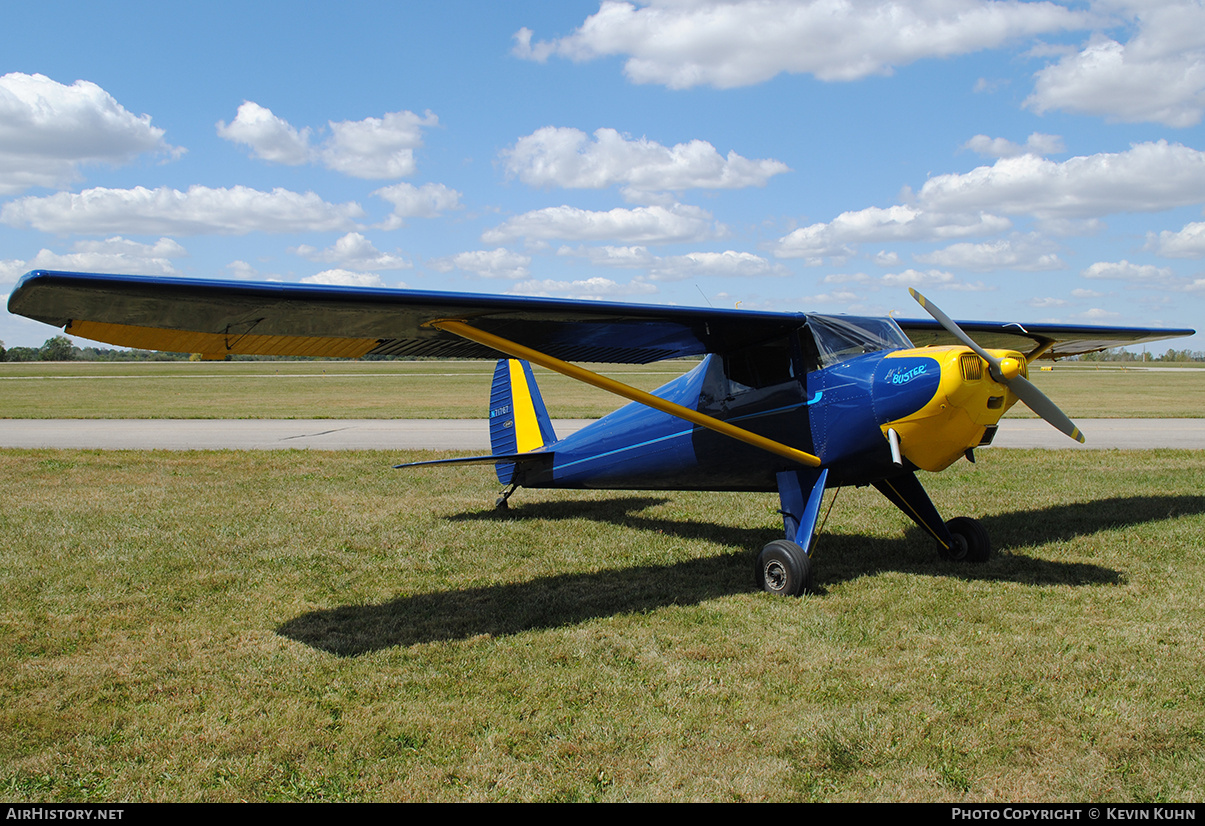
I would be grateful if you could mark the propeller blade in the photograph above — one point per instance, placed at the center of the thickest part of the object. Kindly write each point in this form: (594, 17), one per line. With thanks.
(1040, 403)
(1023, 388)
(956, 331)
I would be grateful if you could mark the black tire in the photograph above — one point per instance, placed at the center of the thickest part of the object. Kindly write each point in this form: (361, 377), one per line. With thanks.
(783, 568)
(971, 542)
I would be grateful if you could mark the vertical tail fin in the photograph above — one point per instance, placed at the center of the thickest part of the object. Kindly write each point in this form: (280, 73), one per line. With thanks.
(519, 422)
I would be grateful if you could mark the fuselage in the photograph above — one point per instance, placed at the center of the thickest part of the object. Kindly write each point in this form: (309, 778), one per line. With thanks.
(833, 400)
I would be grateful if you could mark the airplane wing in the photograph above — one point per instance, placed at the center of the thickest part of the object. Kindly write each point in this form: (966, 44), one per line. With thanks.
(1063, 339)
(217, 318)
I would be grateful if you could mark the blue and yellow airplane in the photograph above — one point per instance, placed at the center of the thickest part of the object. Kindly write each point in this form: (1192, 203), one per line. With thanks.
(787, 402)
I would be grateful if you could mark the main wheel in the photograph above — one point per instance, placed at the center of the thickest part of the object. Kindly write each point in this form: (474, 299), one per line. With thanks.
(971, 542)
(783, 568)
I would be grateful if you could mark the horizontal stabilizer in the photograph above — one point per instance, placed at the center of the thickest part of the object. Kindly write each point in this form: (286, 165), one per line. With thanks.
(514, 458)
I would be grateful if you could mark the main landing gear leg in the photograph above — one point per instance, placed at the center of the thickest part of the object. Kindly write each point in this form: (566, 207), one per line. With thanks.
(784, 566)
(962, 539)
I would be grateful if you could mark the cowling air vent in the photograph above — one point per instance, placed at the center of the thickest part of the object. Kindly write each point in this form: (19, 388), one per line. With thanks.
(972, 367)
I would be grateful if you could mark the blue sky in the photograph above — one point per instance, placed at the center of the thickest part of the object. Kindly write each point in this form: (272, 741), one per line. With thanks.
(1017, 161)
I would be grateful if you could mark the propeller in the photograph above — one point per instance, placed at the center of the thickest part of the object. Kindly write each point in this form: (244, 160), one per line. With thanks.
(1008, 375)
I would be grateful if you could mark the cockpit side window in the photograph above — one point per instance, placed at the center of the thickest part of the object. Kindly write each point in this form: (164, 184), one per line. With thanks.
(762, 365)
(840, 338)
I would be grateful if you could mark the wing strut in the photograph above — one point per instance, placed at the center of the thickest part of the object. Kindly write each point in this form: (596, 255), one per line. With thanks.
(518, 351)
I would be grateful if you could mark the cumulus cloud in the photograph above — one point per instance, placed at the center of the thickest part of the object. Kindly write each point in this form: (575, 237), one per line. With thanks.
(345, 278)
(199, 210)
(641, 225)
(114, 254)
(1037, 144)
(1187, 243)
(1158, 75)
(1097, 314)
(270, 138)
(1125, 271)
(1148, 177)
(897, 223)
(373, 148)
(1044, 303)
(566, 157)
(496, 263)
(727, 264)
(48, 130)
(376, 148)
(1067, 197)
(1013, 254)
(931, 279)
(353, 251)
(728, 44)
(589, 288)
(409, 201)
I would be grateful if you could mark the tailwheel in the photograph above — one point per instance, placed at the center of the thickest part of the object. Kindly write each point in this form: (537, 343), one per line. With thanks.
(502, 503)
(971, 542)
(784, 568)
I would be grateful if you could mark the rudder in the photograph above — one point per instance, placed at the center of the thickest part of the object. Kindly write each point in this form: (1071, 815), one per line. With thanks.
(519, 422)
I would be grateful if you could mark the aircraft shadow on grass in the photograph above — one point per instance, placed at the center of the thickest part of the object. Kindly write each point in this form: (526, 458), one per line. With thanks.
(567, 599)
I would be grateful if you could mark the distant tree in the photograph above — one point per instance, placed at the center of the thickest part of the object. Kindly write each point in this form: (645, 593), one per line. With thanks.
(2, 351)
(22, 354)
(58, 348)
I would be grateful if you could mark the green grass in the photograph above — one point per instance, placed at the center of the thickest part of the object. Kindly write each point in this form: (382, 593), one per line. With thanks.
(458, 390)
(292, 390)
(1120, 392)
(315, 626)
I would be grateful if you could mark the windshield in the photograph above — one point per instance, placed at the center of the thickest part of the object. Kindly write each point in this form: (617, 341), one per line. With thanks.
(839, 338)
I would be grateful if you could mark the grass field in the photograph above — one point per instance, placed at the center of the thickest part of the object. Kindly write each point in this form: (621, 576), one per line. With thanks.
(457, 390)
(315, 626)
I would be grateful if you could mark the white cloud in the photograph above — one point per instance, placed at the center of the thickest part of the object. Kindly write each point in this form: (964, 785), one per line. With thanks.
(897, 223)
(727, 264)
(373, 148)
(200, 210)
(376, 148)
(496, 263)
(244, 271)
(426, 201)
(1187, 243)
(566, 157)
(589, 288)
(355, 252)
(345, 278)
(269, 137)
(931, 279)
(1020, 254)
(728, 44)
(116, 254)
(1067, 197)
(1125, 271)
(633, 257)
(48, 130)
(1097, 314)
(642, 225)
(1158, 75)
(1036, 144)
(1148, 177)
(1044, 303)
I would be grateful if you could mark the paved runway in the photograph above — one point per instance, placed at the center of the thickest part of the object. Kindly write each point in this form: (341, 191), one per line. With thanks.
(472, 435)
